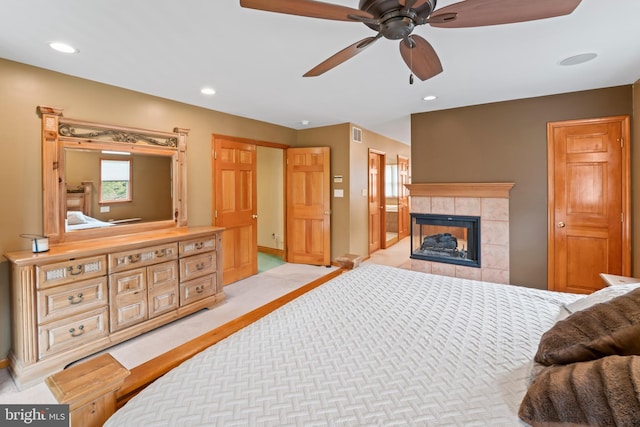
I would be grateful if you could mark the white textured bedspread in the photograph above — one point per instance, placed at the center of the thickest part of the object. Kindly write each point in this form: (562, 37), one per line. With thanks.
(377, 346)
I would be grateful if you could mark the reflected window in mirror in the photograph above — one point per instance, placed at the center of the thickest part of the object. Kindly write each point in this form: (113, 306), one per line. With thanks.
(115, 180)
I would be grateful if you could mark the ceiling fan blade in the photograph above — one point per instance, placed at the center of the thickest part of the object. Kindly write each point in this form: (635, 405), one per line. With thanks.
(342, 56)
(421, 59)
(310, 8)
(479, 13)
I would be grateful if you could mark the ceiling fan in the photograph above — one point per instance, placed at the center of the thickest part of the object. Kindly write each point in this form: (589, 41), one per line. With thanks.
(396, 20)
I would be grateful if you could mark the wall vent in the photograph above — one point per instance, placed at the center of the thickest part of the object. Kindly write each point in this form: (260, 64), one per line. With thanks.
(356, 134)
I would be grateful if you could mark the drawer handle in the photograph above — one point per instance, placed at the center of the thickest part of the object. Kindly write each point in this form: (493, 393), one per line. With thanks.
(80, 331)
(199, 289)
(134, 258)
(199, 245)
(75, 300)
(200, 266)
(161, 253)
(71, 270)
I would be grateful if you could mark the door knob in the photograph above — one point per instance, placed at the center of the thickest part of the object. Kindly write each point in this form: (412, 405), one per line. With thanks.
(254, 216)
(561, 224)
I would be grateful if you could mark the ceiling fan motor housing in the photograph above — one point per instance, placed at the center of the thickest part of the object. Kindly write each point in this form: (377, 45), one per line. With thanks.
(395, 22)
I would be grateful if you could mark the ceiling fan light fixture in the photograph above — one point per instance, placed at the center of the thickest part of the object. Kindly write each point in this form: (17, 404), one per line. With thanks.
(63, 47)
(430, 98)
(578, 59)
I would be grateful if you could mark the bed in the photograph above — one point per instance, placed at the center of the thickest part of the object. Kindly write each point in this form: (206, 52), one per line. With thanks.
(79, 197)
(79, 208)
(375, 346)
(77, 220)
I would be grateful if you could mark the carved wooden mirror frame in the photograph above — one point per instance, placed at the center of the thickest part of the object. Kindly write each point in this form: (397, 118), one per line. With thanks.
(59, 132)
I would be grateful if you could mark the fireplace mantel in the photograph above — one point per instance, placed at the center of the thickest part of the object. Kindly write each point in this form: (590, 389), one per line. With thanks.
(461, 189)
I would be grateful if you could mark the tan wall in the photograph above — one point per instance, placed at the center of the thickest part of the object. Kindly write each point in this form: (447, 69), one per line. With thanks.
(337, 139)
(24, 87)
(359, 164)
(349, 218)
(507, 141)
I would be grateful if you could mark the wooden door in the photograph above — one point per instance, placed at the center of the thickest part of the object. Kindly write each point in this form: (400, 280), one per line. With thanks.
(235, 206)
(376, 201)
(589, 199)
(308, 206)
(403, 197)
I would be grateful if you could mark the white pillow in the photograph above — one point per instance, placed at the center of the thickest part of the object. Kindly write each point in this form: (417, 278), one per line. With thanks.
(75, 218)
(602, 295)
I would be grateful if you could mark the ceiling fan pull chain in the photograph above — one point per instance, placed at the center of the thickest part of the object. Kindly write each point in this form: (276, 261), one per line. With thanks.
(411, 45)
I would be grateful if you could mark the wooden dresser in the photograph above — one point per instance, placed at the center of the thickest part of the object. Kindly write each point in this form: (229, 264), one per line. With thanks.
(82, 297)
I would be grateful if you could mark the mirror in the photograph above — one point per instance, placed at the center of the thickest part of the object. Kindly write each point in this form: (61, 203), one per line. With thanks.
(391, 200)
(88, 174)
(144, 170)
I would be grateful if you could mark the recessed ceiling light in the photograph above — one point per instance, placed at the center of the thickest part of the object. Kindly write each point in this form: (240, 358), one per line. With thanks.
(305, 122)
(63, 47)
(430, 97)
(579, 59)
(207, 91)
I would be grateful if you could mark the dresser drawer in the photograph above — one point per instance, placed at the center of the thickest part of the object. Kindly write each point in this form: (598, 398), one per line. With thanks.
(71, 271)
(71, 299)
(121, 261)
(162, 299)
(162, 274)
(197, 266)
(72, 332)
(128, 298)
(162, 284)
(196, 246)
(127, 282)
(197, 289)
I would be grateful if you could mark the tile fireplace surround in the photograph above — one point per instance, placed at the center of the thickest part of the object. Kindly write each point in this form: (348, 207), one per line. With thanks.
(489, 201)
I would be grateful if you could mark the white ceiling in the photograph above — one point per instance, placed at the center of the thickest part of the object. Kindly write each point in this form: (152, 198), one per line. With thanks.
(255, 60)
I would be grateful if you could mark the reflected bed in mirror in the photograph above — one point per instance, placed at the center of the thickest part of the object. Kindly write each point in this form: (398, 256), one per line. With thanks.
(148, 187)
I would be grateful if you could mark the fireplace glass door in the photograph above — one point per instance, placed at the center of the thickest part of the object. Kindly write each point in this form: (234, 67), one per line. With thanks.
(452, 239)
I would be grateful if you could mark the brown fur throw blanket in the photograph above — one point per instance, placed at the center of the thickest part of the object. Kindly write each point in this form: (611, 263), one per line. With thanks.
(603, 392)
(604, 329)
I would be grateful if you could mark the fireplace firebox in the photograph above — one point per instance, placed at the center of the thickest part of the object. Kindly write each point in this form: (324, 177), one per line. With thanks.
(451, 239)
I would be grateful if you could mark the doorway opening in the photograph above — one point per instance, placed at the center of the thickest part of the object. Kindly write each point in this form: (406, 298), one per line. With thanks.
(270, 189)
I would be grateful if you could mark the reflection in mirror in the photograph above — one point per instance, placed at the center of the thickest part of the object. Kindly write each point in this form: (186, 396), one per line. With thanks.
(391, 199)
(148, 184)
